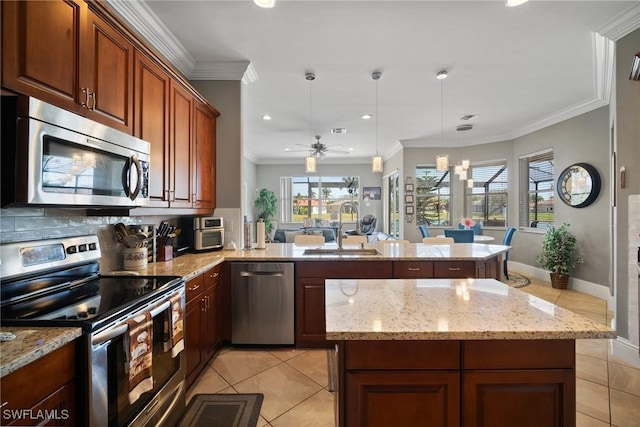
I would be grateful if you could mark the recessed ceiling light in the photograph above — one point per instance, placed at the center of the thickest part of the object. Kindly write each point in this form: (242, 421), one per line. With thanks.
(514, 3)
(468, 116)
(266, 117)
(267, 4)
(339, 130)
(350, 148)
(366, 116)
(287, 149)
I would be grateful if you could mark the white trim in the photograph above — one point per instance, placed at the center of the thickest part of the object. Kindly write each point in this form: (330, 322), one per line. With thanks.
(575, 284)
(146, 23)
(536, 153)
(624, 350)
(221, 70)
(621, 25)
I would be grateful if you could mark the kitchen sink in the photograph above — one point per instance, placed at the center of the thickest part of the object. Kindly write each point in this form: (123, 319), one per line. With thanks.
(343, 251)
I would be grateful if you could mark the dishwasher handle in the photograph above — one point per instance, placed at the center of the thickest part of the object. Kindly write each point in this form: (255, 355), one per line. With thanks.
(261, 273)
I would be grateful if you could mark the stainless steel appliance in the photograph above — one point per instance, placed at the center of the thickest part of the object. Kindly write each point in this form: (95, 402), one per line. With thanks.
(51, 156)
(262, 303)
(57, 283)
(208, 233)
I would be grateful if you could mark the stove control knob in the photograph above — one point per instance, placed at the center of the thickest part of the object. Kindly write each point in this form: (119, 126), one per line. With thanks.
(82, 247)
(72, 317)
(93, 310)
(82, 314)
(72, 250)
(92, 246)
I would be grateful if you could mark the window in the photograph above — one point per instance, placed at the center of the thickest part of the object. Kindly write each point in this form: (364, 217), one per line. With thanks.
(393, 212)
(536, 190)
(317, 197)
(486, 202)
(433, 195)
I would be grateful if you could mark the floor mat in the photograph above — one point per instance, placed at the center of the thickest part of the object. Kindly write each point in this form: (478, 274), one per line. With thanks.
(516, 280)
(223, 410)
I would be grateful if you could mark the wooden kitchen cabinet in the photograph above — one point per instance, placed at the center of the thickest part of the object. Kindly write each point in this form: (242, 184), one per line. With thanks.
(181, 155)
(309, 295)
(202, 322)
(47, 384)
(77, 61)
(474, 383)
(204, 194)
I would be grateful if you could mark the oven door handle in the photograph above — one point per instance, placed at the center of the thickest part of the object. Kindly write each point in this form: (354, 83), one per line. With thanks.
(120, 329)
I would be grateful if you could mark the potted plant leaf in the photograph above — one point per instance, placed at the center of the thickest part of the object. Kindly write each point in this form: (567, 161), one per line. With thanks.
(559, 255)
(266, 203)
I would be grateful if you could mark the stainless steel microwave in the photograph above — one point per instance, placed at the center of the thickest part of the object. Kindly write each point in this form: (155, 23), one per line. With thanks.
(208, 233)
(51, 156)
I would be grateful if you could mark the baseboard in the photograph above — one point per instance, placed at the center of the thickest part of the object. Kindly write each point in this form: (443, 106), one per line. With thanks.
(580, 285)
(626, 351)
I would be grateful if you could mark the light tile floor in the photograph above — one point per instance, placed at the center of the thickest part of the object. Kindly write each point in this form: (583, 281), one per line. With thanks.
(294, 381)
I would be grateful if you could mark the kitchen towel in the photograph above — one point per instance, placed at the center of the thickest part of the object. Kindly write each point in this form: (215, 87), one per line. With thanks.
(173, 327)
(139, 351)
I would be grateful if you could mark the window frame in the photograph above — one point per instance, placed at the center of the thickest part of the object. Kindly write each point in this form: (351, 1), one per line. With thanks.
(526, 193)
(469, 193)
(419, 196)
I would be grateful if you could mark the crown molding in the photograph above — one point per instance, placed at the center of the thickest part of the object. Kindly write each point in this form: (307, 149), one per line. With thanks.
(147, 24)
(223, 70)
(621, 25)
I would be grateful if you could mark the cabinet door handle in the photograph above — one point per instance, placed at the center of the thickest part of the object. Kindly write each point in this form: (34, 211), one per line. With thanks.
(193, 288)
(413, 268)
(216, 274)
(92, 97)
(203, 305)
(85, 104)
(454, 268)
(206, 302)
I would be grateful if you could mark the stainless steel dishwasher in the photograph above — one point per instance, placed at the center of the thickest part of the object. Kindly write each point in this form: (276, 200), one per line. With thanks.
(262, 303)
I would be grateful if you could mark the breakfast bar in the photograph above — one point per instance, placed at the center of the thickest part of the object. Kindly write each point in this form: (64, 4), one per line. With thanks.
(452, 352)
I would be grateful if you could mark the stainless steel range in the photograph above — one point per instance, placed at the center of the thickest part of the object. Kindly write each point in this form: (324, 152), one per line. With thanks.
(57, 282)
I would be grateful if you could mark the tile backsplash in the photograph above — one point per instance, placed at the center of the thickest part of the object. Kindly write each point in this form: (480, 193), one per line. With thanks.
(24, 224)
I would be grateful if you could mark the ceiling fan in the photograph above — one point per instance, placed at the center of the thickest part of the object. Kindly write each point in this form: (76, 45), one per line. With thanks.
(319, 149)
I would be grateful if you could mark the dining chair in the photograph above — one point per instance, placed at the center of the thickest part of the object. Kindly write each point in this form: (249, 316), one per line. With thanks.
(477, 228)
(438, 240)
(308, 239)
(459, 236)
(393, 241)
(424, 230)
(506, 241)
(355, 239)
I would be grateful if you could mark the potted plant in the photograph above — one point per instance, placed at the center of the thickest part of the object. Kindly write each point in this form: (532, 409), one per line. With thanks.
(266, 205)
(558, 254)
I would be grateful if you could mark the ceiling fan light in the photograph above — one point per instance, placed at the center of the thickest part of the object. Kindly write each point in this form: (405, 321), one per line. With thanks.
(442, 163)
(458, 170)
(266, 4)
(470, 183)
(465, 164)
(463, 175)
(310, 164)
(376, 164)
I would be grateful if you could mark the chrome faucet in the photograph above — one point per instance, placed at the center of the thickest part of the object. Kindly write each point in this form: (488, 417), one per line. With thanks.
(355, 208)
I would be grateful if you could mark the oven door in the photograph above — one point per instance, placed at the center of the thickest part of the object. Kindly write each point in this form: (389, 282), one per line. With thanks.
(208, 239)
(162, 405)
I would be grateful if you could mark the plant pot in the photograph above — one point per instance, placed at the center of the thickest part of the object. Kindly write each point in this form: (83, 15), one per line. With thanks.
(559, 281)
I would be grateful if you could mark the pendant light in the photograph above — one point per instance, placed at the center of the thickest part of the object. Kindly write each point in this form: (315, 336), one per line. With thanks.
(442, 160)
(376, 162)
(310, 160)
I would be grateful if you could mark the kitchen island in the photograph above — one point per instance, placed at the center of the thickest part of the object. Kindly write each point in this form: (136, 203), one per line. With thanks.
(452, 352)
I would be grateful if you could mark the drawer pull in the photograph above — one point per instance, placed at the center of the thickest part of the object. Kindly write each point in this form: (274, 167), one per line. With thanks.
(454, 268)
(216, 274)
(193, 288)
(413, 268)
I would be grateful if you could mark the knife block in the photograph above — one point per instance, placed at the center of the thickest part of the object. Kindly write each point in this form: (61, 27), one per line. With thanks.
(164, 252)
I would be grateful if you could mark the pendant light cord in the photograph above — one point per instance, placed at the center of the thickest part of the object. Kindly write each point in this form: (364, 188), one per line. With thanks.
(377, 116)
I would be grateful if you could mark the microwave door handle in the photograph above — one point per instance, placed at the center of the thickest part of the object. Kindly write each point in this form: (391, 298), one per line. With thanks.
(135, 163)
(120, 329)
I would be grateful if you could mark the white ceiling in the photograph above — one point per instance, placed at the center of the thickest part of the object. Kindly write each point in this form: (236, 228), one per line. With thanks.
(519, 69)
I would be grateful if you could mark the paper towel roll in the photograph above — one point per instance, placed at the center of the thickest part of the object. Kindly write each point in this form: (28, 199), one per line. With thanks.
(260, 235)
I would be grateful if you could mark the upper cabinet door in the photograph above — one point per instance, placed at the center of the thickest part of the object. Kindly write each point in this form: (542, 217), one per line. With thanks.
(204, 196)
(41, 50)
(181, 147)
(64, 54)
(107, 75)
(151, 123)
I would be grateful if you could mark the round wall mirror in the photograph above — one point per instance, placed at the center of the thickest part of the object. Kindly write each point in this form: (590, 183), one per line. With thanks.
(579, 185)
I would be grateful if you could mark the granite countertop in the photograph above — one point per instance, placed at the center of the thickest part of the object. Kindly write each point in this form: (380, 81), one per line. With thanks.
(447, 309)
(31, 344)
